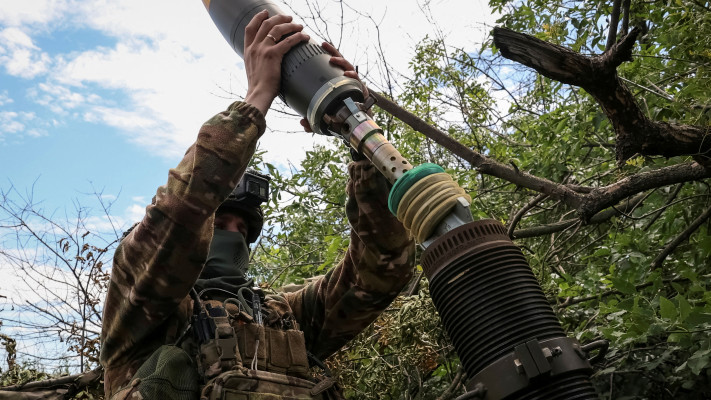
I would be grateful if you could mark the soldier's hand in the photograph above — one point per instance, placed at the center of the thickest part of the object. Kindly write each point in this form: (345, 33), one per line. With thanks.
(348, 70)
(266, 40)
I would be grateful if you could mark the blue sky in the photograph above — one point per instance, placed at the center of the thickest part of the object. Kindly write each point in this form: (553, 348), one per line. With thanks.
(105, 96)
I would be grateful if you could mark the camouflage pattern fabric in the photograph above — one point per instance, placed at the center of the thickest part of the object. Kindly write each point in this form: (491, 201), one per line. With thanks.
(157, 263)
(258, 385)
(379, 262)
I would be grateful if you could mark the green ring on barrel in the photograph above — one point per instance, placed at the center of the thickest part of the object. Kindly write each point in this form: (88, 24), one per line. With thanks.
(406, 181)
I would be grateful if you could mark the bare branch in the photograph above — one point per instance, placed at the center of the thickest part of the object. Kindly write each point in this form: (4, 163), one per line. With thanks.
(682, 237)
(614, 22)
(607, 196)
(452, 388)
(483, 164)
(636, 134)
(671, 198)
(603, 216)
(517, 217)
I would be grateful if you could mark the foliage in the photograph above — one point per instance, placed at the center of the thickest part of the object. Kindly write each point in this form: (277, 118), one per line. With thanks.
(601, 277)
(306, 231)
(598, 276)
(657, 319)
(405, 354)
(15, 373)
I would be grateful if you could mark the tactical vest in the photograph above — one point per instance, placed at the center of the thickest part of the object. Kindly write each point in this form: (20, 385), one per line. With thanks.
(227, 354)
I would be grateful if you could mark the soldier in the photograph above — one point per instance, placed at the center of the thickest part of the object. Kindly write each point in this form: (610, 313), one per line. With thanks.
(180, 320)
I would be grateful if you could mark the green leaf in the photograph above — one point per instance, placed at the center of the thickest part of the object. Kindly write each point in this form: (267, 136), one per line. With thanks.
(561, 125)
(698, 318)
(602, 252)
(698, 361)
(676, 337)
(623, 285)
(667, 309)
(684, 307)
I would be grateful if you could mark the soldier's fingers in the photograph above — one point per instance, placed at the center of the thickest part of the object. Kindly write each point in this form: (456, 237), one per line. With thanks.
(305, 124)
(269, 24)
(331, 49)
(250, 31)
(281, 30)
(290, 41)
(342, 63)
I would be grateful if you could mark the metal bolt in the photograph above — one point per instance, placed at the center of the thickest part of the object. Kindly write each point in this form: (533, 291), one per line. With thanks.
(547, 353)
(557, 351)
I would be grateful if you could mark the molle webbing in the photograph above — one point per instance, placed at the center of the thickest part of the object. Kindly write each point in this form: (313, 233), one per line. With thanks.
(218, 341)
(230, 340)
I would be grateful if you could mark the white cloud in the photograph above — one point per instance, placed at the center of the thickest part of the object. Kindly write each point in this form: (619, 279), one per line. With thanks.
(12, 122)
(58, 98)
(177, 70)
(184, 22)
(21, 271)
(34, 12)
(9, 123)
(37, 281)
(135, 213)
(20, 56)
(104, 224)
(5, 98)
(16, 37)
(170, 90)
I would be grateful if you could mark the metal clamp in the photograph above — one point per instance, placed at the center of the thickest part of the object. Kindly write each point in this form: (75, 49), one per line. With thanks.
(601, 345)
(528, 364)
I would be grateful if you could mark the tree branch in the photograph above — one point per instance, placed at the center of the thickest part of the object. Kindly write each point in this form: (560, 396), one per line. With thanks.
(597, 75)
(483, 164)
(451, 390)
(587, 204)
(570, 301)
(659, 213)
(614, 22)
(683, 236)
(626, 17)
(598, 218)
(516, 218)
(607, 196)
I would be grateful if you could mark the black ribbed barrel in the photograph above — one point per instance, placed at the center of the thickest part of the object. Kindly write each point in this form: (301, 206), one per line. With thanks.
(571, 387)
(490, 302)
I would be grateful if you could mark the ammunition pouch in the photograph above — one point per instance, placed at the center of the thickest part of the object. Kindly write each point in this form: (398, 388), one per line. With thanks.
(247, 384)
(236, 359)
(240, 359)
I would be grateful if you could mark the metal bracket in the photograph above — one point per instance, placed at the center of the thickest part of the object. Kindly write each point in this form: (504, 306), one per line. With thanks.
(528, 364)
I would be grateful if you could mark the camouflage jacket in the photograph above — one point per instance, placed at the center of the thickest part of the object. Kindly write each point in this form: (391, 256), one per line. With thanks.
(156, 265)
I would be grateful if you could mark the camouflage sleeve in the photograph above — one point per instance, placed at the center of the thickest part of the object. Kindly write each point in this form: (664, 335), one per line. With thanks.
(155, 266)
(378, 263)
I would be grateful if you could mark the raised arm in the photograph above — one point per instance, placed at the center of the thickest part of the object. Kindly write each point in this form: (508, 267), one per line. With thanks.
(157, 263)
(378, 263)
